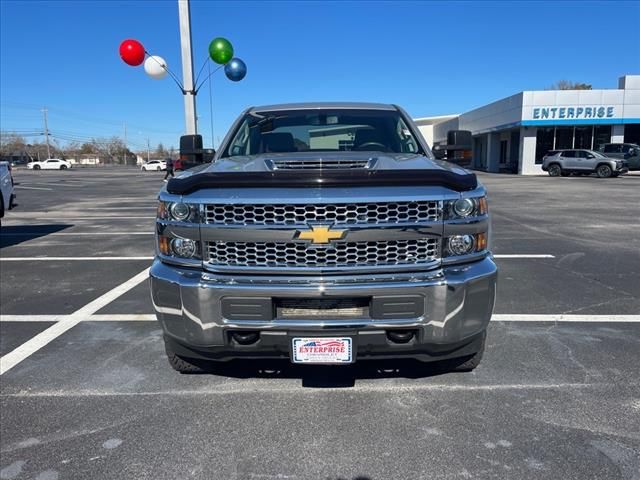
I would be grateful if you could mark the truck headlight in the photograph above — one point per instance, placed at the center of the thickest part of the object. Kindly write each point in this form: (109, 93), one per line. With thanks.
(465, 208)
(461, 244)
(466, 244)
(178, 211)
(183, 247)
(178, 247)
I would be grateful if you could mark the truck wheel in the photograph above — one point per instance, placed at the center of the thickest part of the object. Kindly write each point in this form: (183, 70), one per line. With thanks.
(555, 170)
(468, 363)
(604, 171)
(181, 364)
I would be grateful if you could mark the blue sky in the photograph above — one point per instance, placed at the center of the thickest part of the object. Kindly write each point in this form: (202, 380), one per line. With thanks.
(430, 57)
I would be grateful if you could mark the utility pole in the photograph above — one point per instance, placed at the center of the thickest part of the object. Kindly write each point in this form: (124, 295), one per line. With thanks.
(46, 131)
(124, 156)
(187, 67)
(148, 151)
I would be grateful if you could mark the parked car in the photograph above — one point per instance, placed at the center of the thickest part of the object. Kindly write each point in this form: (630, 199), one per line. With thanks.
(7, 194)
(564, 162)
(625, 151)
(322, 252)
(154, 165)
(49, 164)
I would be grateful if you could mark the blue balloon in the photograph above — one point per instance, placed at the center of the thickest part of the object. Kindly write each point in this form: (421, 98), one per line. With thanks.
(235, 70)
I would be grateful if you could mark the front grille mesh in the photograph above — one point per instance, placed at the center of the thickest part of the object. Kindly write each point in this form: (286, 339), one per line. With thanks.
(336, 214)
(341, 254)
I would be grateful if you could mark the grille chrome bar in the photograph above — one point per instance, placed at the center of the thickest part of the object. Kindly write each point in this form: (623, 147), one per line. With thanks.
(319, 164)
(270, 255)
(337, 214)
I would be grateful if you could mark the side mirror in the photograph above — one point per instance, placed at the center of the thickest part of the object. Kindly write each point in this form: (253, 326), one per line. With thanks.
(632, 152)
(439, 152)
(590, 155)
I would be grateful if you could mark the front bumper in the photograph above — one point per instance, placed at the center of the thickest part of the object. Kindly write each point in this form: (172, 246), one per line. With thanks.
(455, 308)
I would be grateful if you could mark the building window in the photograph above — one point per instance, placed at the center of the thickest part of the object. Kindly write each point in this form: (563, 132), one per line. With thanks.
(544, 143)
(564, 138)
(503, 151)
(583, 137)
(601, 135)
(632, 133)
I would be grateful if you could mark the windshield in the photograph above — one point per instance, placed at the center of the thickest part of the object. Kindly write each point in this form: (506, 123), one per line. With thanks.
(322, 131)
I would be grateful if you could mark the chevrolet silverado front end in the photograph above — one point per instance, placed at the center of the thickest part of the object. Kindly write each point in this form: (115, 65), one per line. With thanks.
(323, 233)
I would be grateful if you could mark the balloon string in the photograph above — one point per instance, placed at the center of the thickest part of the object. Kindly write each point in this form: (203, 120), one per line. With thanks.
(211, 106)
(173, 76)
(206, 62)
(208, 77)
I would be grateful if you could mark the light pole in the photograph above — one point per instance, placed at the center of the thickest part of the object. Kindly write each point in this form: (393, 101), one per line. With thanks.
(188, 89)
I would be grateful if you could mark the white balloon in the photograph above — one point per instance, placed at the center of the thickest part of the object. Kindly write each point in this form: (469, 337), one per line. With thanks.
(155, 67)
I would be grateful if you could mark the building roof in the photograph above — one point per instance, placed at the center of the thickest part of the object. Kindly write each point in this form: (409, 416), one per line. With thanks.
(435, 119)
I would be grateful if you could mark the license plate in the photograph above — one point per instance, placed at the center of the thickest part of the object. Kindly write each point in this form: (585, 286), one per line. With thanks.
(322, 350)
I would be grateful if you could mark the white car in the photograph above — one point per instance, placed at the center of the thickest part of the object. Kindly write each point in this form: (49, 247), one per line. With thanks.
(49, 164)
(7, 194)
(154, 165)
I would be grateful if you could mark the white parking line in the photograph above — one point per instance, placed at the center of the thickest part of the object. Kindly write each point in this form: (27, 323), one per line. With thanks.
(503, 318)
(34, 344)
(524, 255)
(562, 318)
(31, 188)
(71, 234)
(67, 259)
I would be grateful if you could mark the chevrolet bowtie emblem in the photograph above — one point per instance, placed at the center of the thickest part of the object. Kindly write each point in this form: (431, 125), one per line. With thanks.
(320, 234)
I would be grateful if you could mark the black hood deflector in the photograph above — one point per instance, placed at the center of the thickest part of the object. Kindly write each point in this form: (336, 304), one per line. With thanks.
(323, 178)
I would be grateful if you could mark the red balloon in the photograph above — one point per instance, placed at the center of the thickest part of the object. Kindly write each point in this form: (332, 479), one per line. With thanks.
(132, 52)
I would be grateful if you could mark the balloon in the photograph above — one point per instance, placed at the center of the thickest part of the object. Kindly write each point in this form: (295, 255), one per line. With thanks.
(220, 50)
(155, 67)
(235, 70)
(132, 52)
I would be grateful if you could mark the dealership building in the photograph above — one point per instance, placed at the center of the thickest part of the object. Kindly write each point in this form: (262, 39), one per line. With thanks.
(513, 134)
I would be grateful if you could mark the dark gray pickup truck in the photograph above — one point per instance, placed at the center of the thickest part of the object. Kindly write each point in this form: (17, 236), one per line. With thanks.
(324, 233)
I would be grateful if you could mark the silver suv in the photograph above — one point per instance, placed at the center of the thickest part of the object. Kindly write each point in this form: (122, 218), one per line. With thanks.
(582, 162)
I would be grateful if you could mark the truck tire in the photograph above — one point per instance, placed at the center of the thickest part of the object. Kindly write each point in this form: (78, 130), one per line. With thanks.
(181, 364)
(470, 362)
(604, 171)
(555, 170)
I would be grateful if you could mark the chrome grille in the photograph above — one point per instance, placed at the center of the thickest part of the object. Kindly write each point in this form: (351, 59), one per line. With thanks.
(340, 254)
(335, 214)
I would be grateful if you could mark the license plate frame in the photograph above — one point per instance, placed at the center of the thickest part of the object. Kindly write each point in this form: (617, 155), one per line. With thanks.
(322, 350)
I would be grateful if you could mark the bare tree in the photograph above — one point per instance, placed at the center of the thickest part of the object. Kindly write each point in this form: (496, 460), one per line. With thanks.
(569, 85)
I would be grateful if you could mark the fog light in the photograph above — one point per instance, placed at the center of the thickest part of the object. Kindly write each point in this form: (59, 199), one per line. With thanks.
(461, 244)
(464, 207)
(183, 247)
(180, 211)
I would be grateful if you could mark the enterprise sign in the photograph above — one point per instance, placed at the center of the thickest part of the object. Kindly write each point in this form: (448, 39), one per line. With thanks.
(552, 113)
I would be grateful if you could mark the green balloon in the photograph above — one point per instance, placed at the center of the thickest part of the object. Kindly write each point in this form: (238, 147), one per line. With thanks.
(220, 50)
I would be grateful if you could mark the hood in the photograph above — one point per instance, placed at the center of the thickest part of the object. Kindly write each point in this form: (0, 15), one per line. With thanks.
(376, 161)
(324, 169)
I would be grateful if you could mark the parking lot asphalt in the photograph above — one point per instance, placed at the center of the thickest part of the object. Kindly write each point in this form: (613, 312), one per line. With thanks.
(558, 397)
